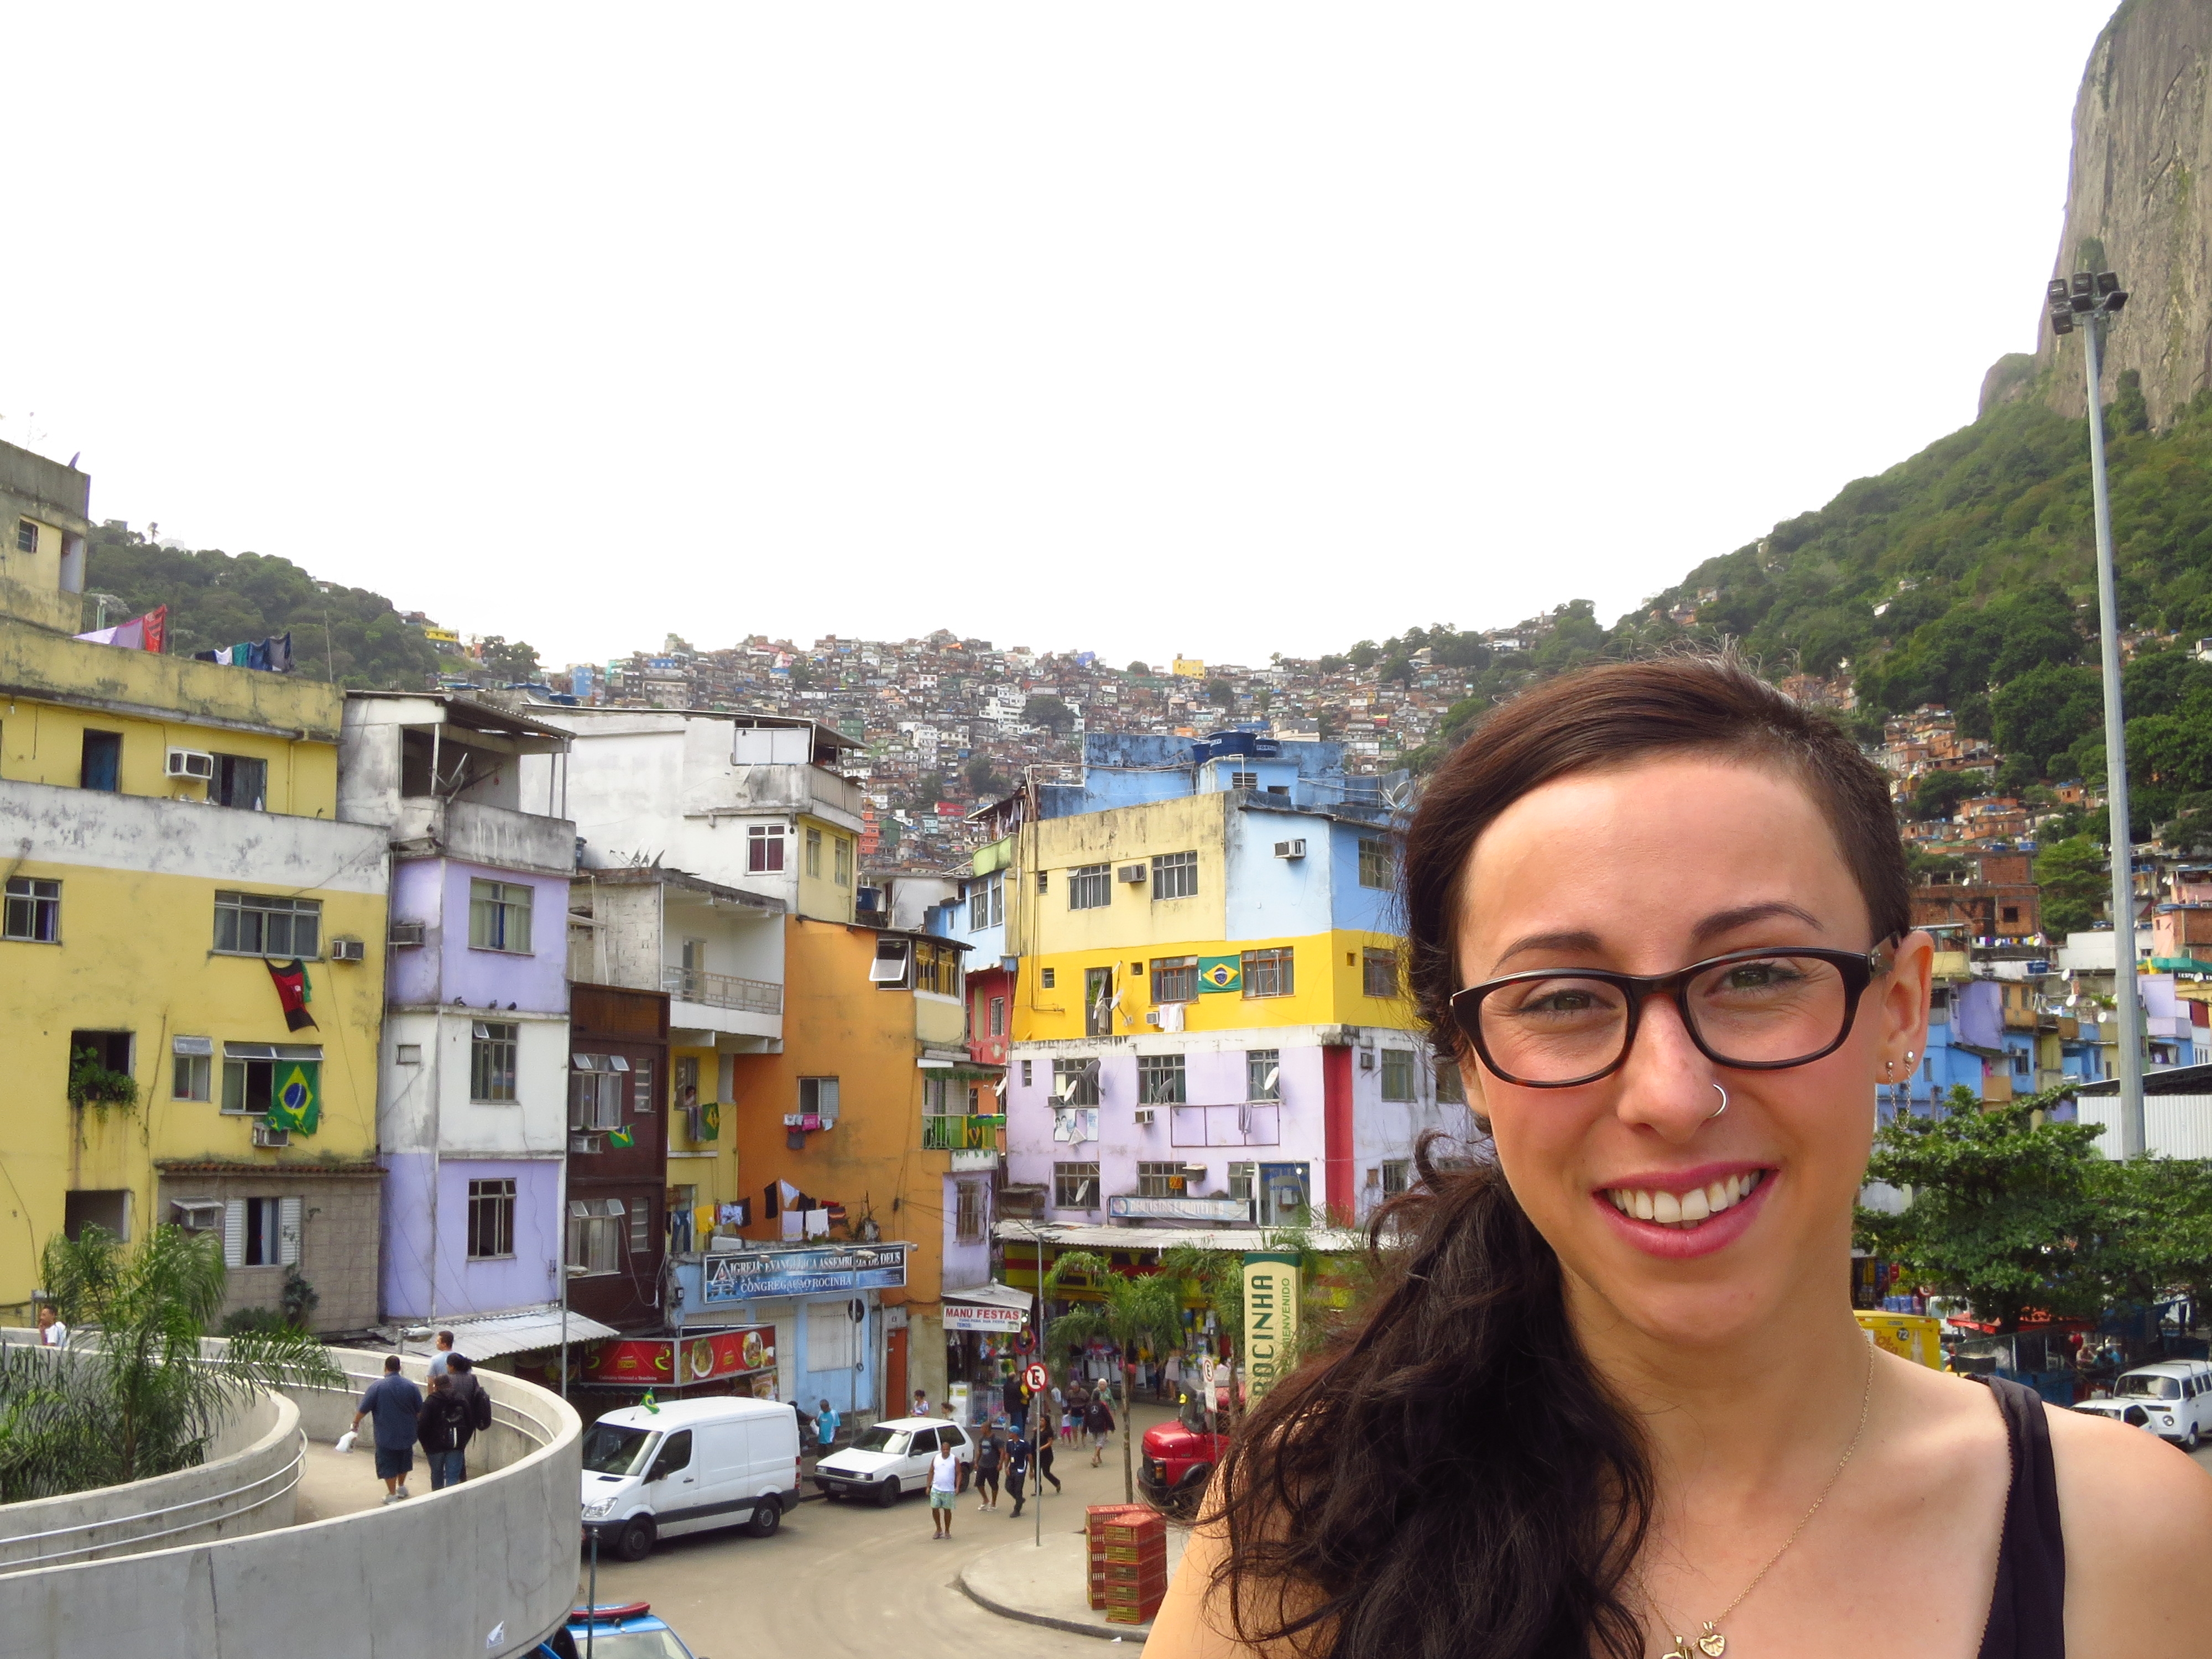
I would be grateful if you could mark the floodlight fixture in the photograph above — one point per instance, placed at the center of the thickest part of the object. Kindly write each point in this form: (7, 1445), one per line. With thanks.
(2085, 283)
(2056, 290)
(2107, 283)
(2062, 321)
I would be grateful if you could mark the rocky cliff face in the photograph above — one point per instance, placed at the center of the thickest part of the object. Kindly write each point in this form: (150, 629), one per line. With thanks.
(2139, 203)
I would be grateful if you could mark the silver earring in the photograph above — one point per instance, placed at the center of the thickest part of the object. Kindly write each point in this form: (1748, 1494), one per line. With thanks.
(1723, 1107)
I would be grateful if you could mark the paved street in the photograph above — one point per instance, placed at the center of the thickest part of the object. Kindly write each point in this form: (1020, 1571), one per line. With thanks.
(846, 1579)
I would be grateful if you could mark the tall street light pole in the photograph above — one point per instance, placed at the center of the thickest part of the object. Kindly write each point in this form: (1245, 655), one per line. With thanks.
(2089, 301)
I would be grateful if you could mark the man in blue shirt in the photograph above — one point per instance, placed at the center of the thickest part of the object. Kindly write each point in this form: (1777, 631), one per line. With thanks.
(395, 1403)
(825, 1428)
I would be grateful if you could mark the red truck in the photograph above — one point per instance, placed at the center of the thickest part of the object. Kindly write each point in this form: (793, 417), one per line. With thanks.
(1178, 1460)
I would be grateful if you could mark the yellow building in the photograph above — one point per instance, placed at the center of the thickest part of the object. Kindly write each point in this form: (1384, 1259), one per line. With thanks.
(169, 835)
(1188, 668)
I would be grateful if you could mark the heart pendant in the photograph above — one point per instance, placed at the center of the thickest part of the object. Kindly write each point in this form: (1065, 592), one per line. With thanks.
(1713, 1642)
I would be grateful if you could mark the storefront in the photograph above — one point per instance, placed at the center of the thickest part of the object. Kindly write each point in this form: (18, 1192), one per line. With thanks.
(740, 1361)
(987, 1338)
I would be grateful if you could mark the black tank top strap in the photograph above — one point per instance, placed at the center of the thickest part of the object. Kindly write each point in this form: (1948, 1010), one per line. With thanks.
(2028, 1611)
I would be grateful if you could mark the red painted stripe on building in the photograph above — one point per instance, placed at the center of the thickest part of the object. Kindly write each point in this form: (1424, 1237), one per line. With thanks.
(1339, 1196)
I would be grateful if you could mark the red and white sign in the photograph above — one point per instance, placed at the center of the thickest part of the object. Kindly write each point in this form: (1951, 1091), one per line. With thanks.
(1036, 1378)
(654, 1362)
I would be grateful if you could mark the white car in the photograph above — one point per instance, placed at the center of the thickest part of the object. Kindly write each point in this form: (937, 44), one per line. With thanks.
(889, 1458)
(2175, 1395)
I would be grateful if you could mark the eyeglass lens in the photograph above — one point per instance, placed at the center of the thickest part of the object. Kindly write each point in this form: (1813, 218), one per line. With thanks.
(1762, 1013)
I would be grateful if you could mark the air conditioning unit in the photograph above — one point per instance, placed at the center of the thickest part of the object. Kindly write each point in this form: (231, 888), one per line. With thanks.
(583, 1143)
(1144, 1117)
(1132, 873)
(347, 950)
(1366, 1059)
(265, 1136)
(1291, 849)
(1152, 1018)
(191, 764)
(404, 933)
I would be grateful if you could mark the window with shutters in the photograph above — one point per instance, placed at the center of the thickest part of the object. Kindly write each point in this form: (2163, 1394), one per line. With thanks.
(261, 1232)
(832, 1341)
(491, 1221)
(967, 1212)
(640, 1227)
(492, 1046)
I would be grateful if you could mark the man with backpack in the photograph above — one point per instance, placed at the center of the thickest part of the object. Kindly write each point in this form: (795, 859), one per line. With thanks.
(463, 1371)
(444, 1426)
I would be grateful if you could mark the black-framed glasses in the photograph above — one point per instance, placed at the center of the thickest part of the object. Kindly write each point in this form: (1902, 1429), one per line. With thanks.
(1753, 1010)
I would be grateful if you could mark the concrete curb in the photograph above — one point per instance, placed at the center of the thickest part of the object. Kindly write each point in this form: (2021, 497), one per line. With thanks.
(1005, 1609)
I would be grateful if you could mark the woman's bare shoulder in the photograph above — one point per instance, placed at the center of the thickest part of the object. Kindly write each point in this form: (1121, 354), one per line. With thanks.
(1196, 1621)
(2138, 1520)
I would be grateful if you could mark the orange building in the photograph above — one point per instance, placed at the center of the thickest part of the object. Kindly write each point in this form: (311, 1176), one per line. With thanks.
(850, 1116)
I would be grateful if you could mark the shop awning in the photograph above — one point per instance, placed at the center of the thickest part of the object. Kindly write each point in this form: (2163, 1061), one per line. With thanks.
(1020, 1238)
(495, 1334)
(993, 1295)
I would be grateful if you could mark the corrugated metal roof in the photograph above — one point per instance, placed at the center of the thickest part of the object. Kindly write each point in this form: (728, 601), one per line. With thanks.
(1330, 1241)
(993, 1295)
(494, 1334)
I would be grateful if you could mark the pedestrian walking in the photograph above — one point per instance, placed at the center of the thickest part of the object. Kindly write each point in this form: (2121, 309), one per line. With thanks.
(920, 1403)
(825, 1429)
(1098, 1419)
(805, 1423)
(987, 1458)
(1044, 1464)
(463, 1371)
(944, 1487)
(1018, 1471)
(1071, 1420)
(394, 1403)
(443, 1428)
(444, 1356)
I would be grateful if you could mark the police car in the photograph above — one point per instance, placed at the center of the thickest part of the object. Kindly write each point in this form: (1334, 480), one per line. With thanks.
(629, 1631)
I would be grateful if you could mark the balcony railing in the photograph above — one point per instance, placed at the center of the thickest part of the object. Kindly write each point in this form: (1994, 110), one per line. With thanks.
(960, 1134)
(756, 996)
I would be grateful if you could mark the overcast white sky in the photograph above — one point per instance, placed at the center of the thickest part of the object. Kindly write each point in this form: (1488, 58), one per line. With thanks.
(1222, 329)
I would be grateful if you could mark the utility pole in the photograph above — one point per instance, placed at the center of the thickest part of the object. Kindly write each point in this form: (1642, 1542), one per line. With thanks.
(2091, 299)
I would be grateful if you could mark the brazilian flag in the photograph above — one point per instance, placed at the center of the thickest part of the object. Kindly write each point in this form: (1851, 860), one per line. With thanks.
(1220, 974)
(710, 1121)
(296, 1101)
(620, 1135)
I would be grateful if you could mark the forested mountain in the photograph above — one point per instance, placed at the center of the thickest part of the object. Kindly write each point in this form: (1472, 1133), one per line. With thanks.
(348, 634)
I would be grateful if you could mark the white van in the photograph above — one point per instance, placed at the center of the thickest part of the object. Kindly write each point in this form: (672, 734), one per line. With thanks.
(2176, 1392)
(689, 1465)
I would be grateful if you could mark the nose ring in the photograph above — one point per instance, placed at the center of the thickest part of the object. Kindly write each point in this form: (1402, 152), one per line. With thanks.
(1723, 1107)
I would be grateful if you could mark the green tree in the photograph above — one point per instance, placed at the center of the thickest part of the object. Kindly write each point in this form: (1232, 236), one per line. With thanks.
(139, 1315)
(518, 661)
(982, 776)
(2154, 1227)
(2003, 1210)
(2044, 712)
(2076, 880)
(1221, 694)
(1133, 1310)
(1042, 708)
(1142, 670)
(1937, 794)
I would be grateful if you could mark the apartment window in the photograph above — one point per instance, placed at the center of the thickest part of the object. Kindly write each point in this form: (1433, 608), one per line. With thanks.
(1074, 1082)
(261, 1232)
(1159, 1180)
(1379, 973)
(251, 1070)
(1398, 1074)
(1244, 780)
(842, 859)
(1375, 863)
(1267, 973)
(1263, 1074)
(1175, 979)
(764, 849)
(931, 972)
(1044, 881)
(101, 766)
(1242, 1179)
(595, 1091)
(499, 916)
(1090, 886)
(491, 1060)
(1045, 979)
(191, 1067)
(1451, 1086)
(26, 536)
(1175, 875)
(936, 1095)
(259, 925)
(640, 1227)
(32, 911)
(967, 1212)
(2012, 913)
(1159, 1080)
(491, 1221)
(987, 903)
(643, 1101)
(1029, 1080)
(1098, 1002)
(1075, 1186)
(241, 782)
(1397, 1175)
(594, 1236)
(814, 853)
(817, 1097)
(998, 1016)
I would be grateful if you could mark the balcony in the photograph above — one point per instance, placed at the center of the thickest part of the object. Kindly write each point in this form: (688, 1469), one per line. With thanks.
(960, 1134)
(476, 833)
(753, 996)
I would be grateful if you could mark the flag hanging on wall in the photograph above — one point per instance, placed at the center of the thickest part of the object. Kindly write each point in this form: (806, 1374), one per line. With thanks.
(1220, 974)
(293, 991)
(622, 1135)
(296, 1102)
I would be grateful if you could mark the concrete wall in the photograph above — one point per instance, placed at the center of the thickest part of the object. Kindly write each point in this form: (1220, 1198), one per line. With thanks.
(247, 1485)
(341, 1220)
(423, 1280)
(435, 892)
(491, 1563)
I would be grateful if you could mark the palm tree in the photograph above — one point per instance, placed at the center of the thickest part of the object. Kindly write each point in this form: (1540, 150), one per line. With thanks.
(139, 1316)
(1131, 1311)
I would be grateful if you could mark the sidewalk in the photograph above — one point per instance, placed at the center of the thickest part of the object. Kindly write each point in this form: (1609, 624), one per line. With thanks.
(1049, 1586)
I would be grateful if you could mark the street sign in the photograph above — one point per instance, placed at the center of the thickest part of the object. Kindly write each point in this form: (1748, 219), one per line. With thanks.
(1036, 1379)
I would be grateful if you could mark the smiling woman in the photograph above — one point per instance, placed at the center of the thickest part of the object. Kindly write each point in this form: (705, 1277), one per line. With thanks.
(1609, 1397)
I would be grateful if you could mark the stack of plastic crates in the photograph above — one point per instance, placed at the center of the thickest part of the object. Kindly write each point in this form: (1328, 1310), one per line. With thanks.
(1129, 1561)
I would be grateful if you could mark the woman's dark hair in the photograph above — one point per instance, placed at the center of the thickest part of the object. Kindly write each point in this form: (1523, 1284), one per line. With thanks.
(1450, 1479)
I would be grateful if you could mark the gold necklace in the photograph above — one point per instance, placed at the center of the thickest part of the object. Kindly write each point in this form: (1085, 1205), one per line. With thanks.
(1712, 1643)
